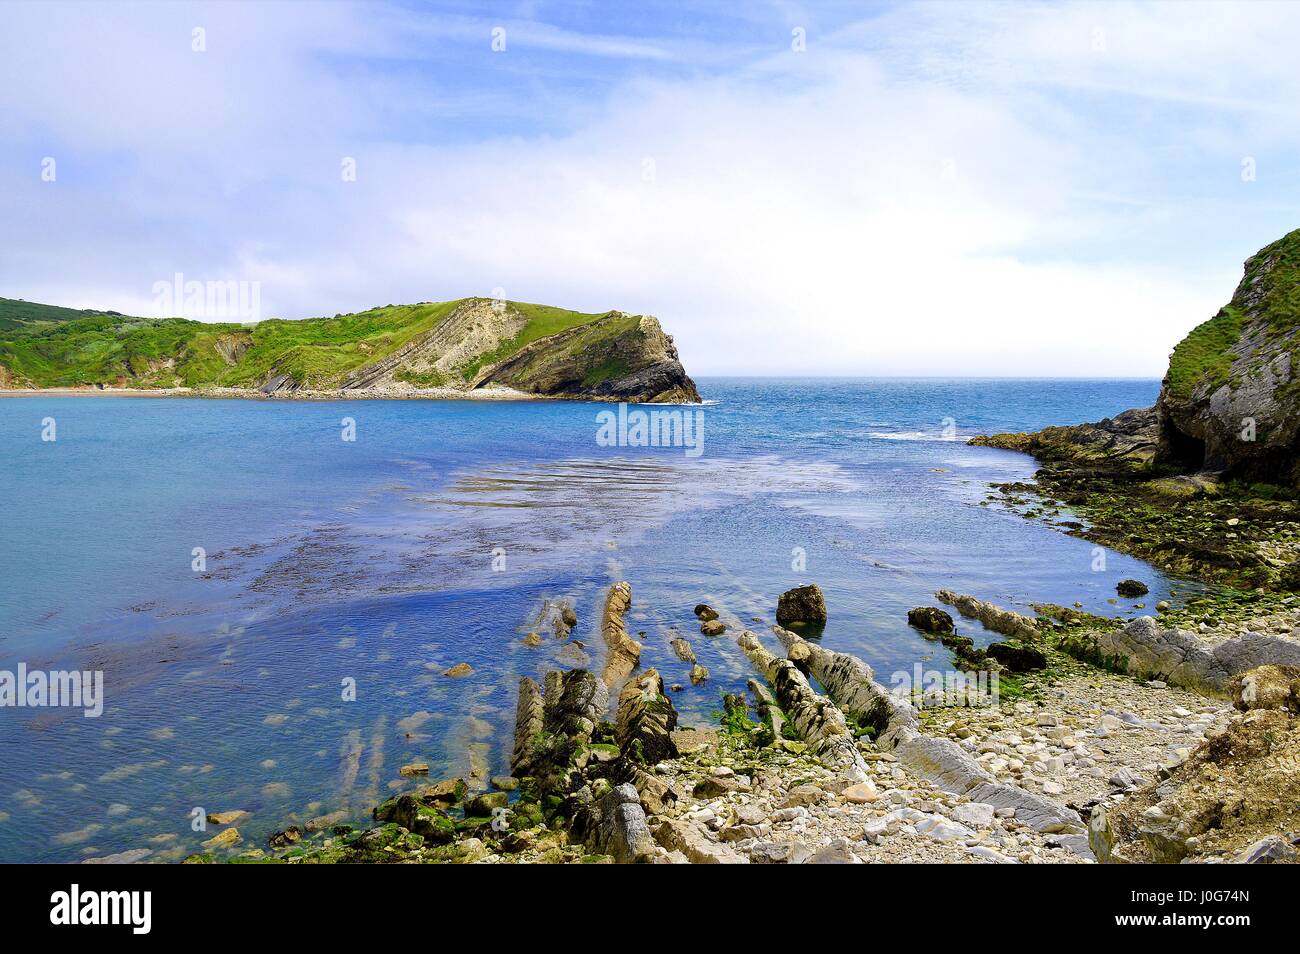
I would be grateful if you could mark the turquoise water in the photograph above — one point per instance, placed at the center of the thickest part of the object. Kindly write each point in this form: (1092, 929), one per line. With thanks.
(432, 539)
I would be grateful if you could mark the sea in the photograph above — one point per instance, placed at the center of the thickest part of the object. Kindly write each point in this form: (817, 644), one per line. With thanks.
(272, 591)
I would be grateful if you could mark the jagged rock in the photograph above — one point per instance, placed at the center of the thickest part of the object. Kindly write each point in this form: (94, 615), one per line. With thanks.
(929, 619)
(646, 719)
(815, 717)
(683, 650)
(768, 710)
(1124, 444)
(1017, 657)
(623, 653)
(573, 703)
(554, 723)
(614, 824)
(1131, 588)
(802, 606)
(1272, 849)
(1182, 658)
(994, 617)
(851, 683)
(699, 674)
(657, 795)
(528, 724)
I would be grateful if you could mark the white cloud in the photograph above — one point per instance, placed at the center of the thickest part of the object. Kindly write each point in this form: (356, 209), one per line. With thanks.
(942, 190)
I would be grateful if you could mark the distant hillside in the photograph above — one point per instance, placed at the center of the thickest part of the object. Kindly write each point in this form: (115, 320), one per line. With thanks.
(460, 345)
(16, 313)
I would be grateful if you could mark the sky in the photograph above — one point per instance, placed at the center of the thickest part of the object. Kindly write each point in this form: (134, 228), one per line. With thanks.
(823, 188)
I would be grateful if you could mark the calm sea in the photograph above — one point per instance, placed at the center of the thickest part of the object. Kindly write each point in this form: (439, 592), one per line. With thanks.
(432, 538)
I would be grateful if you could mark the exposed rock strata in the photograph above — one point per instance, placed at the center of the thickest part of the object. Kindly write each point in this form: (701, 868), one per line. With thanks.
(623, 653)
(815, 717)
(1183, 658)
(851, 683)
(994, 617)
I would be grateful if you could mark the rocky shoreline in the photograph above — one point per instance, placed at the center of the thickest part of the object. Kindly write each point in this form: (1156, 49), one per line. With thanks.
(821, 764)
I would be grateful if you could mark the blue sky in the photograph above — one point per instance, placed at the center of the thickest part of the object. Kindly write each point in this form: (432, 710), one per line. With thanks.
(920, 189)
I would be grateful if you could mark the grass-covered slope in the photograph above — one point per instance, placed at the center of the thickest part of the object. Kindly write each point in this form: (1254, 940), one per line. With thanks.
(1267, 299)
(454, 344)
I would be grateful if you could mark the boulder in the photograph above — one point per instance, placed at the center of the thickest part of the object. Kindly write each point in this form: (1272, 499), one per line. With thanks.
(802, 606)
(713, 627)
(1017, 657)
(929, 619)
(683, 650)
(705, 612)
(614, 824)
(1131, 588)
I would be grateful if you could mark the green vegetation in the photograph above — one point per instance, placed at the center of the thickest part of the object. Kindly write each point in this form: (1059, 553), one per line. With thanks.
(1269, 292)
(1204, 354)
(48, 346)
(1273, 274)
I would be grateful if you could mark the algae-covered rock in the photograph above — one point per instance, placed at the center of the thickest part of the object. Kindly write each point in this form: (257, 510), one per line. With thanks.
(929, 619)
(802, 606)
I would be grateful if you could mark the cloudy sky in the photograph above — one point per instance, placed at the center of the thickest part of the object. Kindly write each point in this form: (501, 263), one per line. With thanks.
(840, 188)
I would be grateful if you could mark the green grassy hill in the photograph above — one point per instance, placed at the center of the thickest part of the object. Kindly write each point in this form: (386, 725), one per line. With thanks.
(431, 344)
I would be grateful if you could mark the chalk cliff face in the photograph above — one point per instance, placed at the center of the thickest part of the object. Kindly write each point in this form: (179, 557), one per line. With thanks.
(1230, 401)
(436, 348)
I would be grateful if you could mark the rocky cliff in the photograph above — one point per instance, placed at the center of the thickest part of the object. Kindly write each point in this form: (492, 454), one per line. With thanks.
(435, 348)
(1230, 402)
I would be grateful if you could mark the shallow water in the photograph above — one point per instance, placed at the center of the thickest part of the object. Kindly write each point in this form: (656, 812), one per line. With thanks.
(433, 539)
